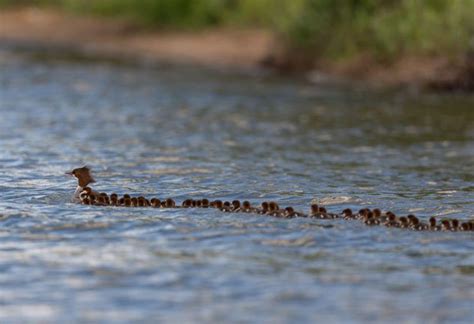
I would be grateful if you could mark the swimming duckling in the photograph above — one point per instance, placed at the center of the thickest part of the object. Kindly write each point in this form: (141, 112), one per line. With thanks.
(454, 225)
(219, 204)
(391, 220)
(264, 208)
(205, 203)
(141, 201)
(236, 206)
(433, 226)
(464, 227)
(93, 198)
(155, 203)
(274, 209)
(226, 207)
(170, 203)
(362, 213)
(247, 207)
(114, 199)
(134, 201)
(101, 200)
(445, 225)
(187, 203)
(370, 219)
(127, 202)
(86, 201)
(414, 223)
(105, 198)
(347, 214)
(403, 222)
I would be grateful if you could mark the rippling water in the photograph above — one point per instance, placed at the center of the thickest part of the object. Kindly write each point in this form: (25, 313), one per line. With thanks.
(181, 132)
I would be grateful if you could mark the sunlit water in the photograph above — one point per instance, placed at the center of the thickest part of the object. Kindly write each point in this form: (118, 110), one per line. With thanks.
(182, 132)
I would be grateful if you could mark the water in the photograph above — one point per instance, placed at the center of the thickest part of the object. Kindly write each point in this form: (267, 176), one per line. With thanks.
(181, 132)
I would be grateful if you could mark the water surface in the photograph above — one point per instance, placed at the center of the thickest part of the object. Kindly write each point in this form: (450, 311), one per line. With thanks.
(178, 132)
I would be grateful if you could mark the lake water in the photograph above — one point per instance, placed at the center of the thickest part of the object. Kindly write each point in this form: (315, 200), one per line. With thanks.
(182, 132)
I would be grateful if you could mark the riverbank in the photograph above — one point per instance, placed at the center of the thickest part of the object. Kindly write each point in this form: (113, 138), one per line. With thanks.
(220, 47)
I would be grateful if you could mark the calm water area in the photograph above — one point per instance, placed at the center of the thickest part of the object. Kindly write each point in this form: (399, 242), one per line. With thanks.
(183, 132)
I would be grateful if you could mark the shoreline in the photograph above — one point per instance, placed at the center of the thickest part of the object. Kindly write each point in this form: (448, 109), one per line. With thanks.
(222, 48)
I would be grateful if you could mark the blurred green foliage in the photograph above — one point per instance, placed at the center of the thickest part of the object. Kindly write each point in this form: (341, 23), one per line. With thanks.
(385, 29)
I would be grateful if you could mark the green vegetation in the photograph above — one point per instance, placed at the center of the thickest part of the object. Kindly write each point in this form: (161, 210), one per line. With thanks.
(384, 29)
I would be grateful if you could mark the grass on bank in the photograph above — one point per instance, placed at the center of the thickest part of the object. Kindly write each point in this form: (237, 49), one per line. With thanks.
(329, 29)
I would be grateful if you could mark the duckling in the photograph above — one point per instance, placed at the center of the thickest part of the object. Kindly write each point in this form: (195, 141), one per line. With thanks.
(403, 222)
(414, 223)
(86, 201)
(247, 207)
(93, 198)
(347, 214)
(219, 205)
(289, 212)
(127, 202)
(433, 226)
(205, 203)
(454, 225)
(314, 212)
(121, 201)
(264, 208)
(391, 220)
(187, 203)
(445, 225)
(155, 203)
(377, 214)
(362, 213)
(101, 201)
(464, 227)
(198, 203)
(370, 219)
(236, 206)
(141, 201)
(134, 201)
(273, 209)
(114, 199)
(170, 203)
(226, 207)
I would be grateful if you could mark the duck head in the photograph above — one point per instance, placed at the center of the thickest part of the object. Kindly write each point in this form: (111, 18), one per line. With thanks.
(83, 176)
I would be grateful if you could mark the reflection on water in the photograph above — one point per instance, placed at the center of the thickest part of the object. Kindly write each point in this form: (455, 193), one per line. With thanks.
(174, 132)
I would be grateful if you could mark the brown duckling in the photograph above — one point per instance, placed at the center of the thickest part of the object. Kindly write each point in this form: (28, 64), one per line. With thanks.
(403, 222)
(205, 203)
(347, 214)
(187, 203)
(391, 220)
(274, 209)
(370, 219)
(114, 199)
(134, 201)
(454, 225)
(127, 202)
(264, 208)
(432, 224)
(155, 203)
(235, 206)
(170, 203)
(445, 225)
(86, 201)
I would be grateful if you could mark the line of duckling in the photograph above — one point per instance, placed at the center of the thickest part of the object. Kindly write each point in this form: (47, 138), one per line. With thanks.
(367, 216)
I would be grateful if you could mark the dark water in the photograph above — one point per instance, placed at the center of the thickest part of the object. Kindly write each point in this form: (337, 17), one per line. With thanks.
(182, 132)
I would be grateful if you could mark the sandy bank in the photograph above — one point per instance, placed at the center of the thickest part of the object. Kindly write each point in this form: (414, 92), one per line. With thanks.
(221, 48)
